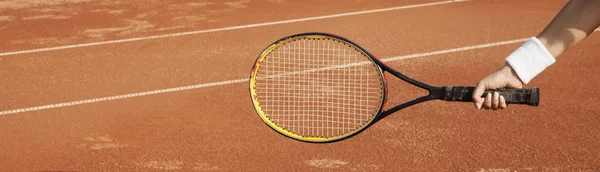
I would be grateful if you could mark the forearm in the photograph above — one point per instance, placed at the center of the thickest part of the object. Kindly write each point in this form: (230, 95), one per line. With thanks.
(576, 20)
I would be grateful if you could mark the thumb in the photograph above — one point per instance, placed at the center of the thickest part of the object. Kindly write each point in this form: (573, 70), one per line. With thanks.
(479, 89)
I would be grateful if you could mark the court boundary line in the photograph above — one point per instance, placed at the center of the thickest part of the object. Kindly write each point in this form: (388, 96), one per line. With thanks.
(212, 84)
(229, 28)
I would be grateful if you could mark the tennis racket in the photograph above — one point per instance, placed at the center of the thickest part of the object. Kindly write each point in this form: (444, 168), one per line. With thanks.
(319, 87)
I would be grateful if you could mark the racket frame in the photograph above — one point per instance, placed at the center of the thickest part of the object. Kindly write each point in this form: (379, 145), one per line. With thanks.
(448, 93)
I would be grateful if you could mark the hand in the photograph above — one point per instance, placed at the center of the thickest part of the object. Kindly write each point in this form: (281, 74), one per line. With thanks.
(504, 77)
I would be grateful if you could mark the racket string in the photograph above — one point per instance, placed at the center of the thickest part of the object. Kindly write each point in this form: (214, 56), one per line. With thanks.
(319, 88)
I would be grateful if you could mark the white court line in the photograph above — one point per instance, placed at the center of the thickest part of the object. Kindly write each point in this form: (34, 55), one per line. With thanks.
(212, 84)
(228, 28)
(88, 101)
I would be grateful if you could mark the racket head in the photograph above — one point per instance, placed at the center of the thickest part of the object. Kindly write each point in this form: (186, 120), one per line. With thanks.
(317, 87)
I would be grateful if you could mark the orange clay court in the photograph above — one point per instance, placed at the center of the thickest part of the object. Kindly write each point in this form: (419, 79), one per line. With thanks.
(149, 86)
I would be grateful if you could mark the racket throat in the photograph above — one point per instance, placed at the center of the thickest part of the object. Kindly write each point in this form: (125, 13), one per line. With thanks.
(451, 93)
(437, 93)
(455, 93)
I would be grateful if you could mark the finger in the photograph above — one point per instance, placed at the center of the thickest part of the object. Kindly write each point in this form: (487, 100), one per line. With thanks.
(487, 104)
(502, 104)
(479, 89)
(495, 100)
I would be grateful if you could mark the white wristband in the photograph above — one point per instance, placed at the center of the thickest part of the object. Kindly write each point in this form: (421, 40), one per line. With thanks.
(530, 59)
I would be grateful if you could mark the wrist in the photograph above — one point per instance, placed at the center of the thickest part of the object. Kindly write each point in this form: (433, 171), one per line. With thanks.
(508, 71)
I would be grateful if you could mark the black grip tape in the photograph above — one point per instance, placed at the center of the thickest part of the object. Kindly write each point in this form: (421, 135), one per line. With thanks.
(528, 96)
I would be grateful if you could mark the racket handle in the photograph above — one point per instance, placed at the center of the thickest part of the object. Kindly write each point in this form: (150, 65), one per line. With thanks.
(528, 96)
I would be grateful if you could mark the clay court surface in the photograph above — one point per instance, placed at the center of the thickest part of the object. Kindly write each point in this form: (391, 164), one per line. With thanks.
(156, 86)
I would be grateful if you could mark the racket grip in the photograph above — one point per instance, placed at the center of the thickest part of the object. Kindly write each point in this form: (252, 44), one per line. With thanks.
(527, 96)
